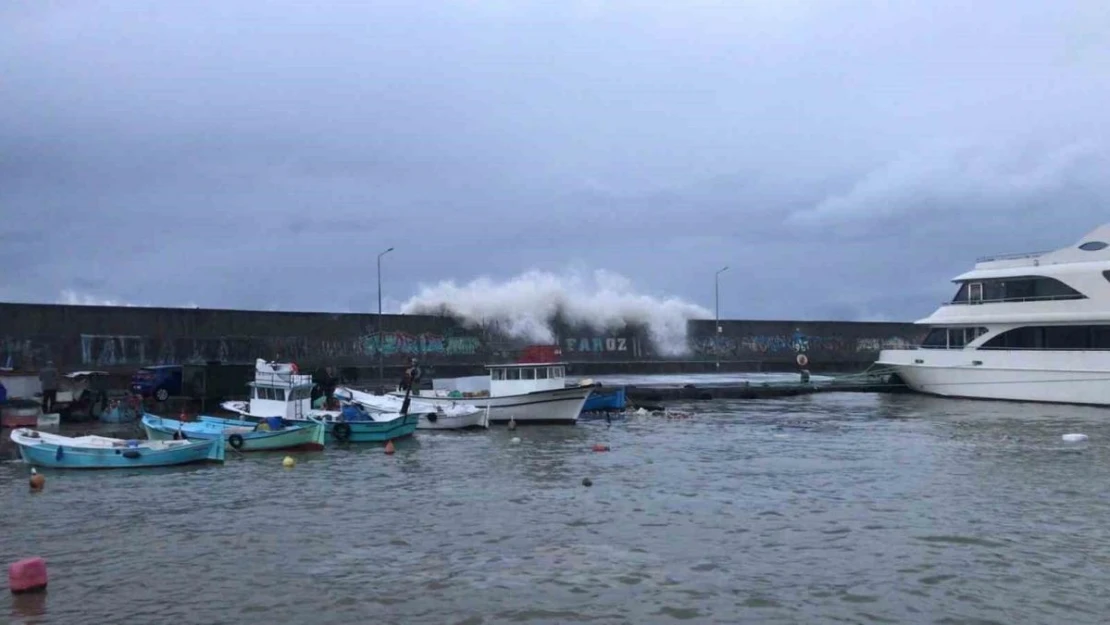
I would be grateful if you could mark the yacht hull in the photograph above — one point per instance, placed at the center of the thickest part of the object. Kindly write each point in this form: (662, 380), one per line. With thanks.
(1059, 377)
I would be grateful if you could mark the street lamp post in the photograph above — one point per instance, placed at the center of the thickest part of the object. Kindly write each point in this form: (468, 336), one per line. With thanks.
(717, 314)
(381, 339)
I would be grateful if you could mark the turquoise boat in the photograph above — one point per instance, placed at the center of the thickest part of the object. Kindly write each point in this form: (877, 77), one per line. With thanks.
(267, 435)
(342, 428)
(99, 452)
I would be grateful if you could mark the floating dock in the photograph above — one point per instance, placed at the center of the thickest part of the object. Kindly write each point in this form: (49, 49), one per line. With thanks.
(638, 395)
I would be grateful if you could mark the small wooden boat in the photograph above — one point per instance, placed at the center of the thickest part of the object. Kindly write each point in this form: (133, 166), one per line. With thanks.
(99, 452)
(453, 416)
(267, 435)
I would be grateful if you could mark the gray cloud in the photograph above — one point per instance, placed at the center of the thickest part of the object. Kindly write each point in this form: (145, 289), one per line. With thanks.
(843, 160)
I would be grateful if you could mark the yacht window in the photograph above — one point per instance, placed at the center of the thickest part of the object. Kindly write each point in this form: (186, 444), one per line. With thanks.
(936, 339)
(1015, 289)
(1093, 246)
(512, 374)
(961, 294)
(975, 291)
(541, 373)
(559, 372)
(956, 337)
(528, 374)
(1067, 337)
(498, 374)
(258, 393)
(1100, 337)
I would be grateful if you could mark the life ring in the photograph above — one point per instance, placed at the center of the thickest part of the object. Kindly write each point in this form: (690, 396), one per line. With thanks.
(802, 360)
(235, 440)
(341, 431)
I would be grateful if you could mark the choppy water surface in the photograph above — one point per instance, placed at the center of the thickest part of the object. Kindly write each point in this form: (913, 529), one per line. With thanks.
(830, 508)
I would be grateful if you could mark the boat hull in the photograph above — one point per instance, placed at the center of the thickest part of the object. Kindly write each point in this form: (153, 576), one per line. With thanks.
(438, 421)
(605, 400)
(559, 406)
(46, 454)
(304, 437)
(375, 431)
(1013, 375)
(359, 431)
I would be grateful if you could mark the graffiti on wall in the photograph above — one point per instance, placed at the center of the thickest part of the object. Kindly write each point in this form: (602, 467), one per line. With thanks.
(423, 344)
(795, 343)
(123, 350)
(597, 344)
(22, 354)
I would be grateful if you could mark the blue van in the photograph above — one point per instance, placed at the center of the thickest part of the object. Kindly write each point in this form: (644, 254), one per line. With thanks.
(159, 381)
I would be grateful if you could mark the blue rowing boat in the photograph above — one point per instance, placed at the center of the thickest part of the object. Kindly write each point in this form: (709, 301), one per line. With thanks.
(99, 452)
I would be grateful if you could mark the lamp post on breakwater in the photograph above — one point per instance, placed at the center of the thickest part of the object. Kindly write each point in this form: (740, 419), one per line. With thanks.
(717, 314)
(381, 354)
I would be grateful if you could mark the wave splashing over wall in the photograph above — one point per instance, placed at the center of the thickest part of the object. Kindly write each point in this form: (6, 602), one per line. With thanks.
(526, 306)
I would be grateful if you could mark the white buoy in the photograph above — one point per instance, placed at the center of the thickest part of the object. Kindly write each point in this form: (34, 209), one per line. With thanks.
(515, 439)
(1074, 438)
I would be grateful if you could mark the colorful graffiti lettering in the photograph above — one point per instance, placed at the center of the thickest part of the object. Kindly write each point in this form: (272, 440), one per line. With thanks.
(795, 343)
(877, 345)
(597, 344)
(394, 343)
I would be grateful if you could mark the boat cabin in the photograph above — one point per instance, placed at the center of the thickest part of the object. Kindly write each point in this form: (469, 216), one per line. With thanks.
(528, 377)
(278, 390)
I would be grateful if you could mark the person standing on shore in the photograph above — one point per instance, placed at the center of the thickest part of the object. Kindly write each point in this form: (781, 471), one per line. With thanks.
(48, 378)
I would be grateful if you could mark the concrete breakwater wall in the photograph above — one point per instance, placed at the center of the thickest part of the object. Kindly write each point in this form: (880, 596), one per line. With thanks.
(123, 338)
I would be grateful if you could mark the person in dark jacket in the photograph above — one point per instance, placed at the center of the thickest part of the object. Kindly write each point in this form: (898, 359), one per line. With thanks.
(48, 378)
(411, 378)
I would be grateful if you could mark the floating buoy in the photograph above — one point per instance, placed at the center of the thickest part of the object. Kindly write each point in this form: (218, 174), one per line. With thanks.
(587, 481)
(389, 449)
(512, 423)
(1074, 438)
(600, 447)
(515, 439)
(27, 575)
(289, 462)
(38, 480)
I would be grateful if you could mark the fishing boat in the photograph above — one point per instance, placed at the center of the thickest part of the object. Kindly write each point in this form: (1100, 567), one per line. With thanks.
(532, 392)
(279, 390)
(268, 435)
(99, 452)
(453, 416)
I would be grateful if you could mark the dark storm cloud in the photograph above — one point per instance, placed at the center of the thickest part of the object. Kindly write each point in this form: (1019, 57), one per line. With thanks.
(844, 159)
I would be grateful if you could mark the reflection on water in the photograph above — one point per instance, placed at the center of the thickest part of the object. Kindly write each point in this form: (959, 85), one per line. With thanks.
(828, 508)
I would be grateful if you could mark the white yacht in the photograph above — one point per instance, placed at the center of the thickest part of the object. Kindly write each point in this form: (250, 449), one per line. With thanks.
(1026, 327)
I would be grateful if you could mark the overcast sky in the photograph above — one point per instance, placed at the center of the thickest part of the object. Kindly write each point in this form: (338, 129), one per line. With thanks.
(844, 159)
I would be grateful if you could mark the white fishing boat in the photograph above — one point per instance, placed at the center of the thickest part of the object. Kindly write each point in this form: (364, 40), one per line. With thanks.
(457, 415)
(527, 393)
(1026, 327)
(280, 390)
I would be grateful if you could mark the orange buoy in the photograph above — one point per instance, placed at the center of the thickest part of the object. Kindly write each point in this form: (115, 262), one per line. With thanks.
(389, 447)
(38, 480)
(600, 447)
